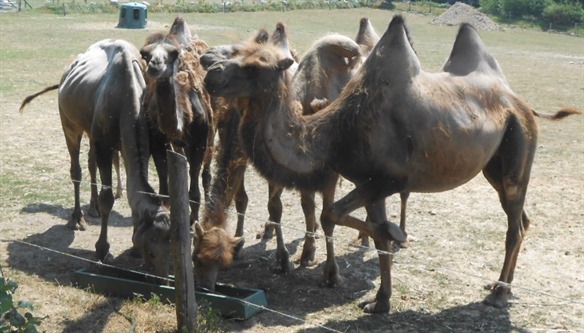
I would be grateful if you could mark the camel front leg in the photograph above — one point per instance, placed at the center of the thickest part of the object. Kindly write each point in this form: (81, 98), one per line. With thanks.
(308, 208)
(381, 303)
(275, 210)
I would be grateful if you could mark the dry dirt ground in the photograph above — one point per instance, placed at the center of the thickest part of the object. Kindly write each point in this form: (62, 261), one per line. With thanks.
(438, 281)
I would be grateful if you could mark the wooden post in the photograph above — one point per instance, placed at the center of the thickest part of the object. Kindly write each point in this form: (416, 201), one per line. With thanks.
(180, 242)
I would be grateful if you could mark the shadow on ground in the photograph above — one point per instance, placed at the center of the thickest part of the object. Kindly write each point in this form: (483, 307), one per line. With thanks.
(473, 317)
(115, 220)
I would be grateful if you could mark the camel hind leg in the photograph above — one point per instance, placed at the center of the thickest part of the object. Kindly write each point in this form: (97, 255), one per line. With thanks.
(508, 172)
(73, 140)
(119, 187)
(93, 210)
(103, 156)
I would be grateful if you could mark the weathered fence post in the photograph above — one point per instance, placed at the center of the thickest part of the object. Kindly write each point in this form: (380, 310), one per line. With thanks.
(180, 242)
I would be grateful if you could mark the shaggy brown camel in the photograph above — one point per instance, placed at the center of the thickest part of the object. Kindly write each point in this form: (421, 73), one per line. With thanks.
(324, 69)
(179, 104)
(395, 128)
(214, 248)
(100, 94)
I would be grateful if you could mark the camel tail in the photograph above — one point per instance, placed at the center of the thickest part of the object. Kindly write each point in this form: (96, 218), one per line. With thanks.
(33, 96)
(558, 115)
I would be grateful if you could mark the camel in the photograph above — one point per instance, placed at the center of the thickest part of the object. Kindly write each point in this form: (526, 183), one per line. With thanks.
(395, 128)
(324, 69)
(178, 103)
(100, 94)
(77, 221)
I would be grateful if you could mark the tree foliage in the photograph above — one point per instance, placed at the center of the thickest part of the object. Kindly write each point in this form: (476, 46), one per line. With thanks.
(555, 11)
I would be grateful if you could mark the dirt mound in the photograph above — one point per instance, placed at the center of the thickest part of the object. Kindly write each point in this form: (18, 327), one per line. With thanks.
(460, 12)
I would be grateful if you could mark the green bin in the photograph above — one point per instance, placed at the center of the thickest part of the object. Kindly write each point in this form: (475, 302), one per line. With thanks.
(133, 15)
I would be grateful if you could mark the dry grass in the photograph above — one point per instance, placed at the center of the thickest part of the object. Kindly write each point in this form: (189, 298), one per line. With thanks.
(437, 282)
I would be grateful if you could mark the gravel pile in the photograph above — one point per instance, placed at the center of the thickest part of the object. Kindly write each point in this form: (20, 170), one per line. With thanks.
(460, 12)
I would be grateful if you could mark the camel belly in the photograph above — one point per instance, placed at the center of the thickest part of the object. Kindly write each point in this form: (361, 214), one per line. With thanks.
(444, 167)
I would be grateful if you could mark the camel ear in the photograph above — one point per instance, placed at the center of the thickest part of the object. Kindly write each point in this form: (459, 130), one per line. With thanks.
(237, 244)
(395, 232)
(199, 232)
(284, 64)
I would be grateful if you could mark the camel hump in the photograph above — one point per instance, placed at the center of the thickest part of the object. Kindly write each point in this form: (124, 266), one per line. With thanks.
(337, 45)
(262, 36)
(469, 54)
(394, 57)
(280, 36)
(181, 30)
(366, 36)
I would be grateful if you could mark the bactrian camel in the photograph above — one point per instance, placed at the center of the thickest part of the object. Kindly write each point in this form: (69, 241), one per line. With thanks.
(395, 128)
(101, 94)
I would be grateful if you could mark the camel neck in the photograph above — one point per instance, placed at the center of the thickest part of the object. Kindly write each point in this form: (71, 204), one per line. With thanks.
(282, 144)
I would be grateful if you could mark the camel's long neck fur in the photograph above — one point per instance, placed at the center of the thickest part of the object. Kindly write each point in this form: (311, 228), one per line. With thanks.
(282, 144)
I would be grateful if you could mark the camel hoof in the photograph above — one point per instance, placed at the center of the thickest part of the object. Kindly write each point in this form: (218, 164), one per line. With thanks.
(499, 296)
(362, 240)
(93, 211)
(119, 194)
(306, 260)
(331, 281)
(284, 267)
(267, 233)
(135, 252)
(373, 306)
(108, 259)
(80, 225)
(307, 257)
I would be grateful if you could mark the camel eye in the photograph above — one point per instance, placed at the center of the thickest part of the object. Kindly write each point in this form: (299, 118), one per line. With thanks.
(146, 56)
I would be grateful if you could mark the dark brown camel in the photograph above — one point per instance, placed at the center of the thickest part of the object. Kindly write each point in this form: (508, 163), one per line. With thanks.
(100, 94)
(324, 69)
(393, 129)
(178, 102)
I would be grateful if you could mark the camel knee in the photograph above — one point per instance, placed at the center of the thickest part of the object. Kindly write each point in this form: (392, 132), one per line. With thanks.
(106, 200)
(328, 220)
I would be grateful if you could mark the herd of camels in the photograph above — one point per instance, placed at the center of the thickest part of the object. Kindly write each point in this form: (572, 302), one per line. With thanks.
(362, 109)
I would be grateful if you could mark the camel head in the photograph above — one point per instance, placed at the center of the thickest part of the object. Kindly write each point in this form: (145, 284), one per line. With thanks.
(227, 51)
(152, 238)
(253, 71)
(160, 52)
(214, 250)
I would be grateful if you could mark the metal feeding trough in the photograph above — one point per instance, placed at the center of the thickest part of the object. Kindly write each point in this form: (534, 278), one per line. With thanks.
(231, 302)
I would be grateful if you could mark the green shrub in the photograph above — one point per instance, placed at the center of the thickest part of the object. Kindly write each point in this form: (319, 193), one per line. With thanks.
(12, 320)
(564, 13)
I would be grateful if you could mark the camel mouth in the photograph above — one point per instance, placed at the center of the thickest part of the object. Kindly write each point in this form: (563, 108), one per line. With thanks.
(154, 73)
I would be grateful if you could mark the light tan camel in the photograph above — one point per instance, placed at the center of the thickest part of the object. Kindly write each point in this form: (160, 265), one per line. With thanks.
(395, 128)
(100, 94)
